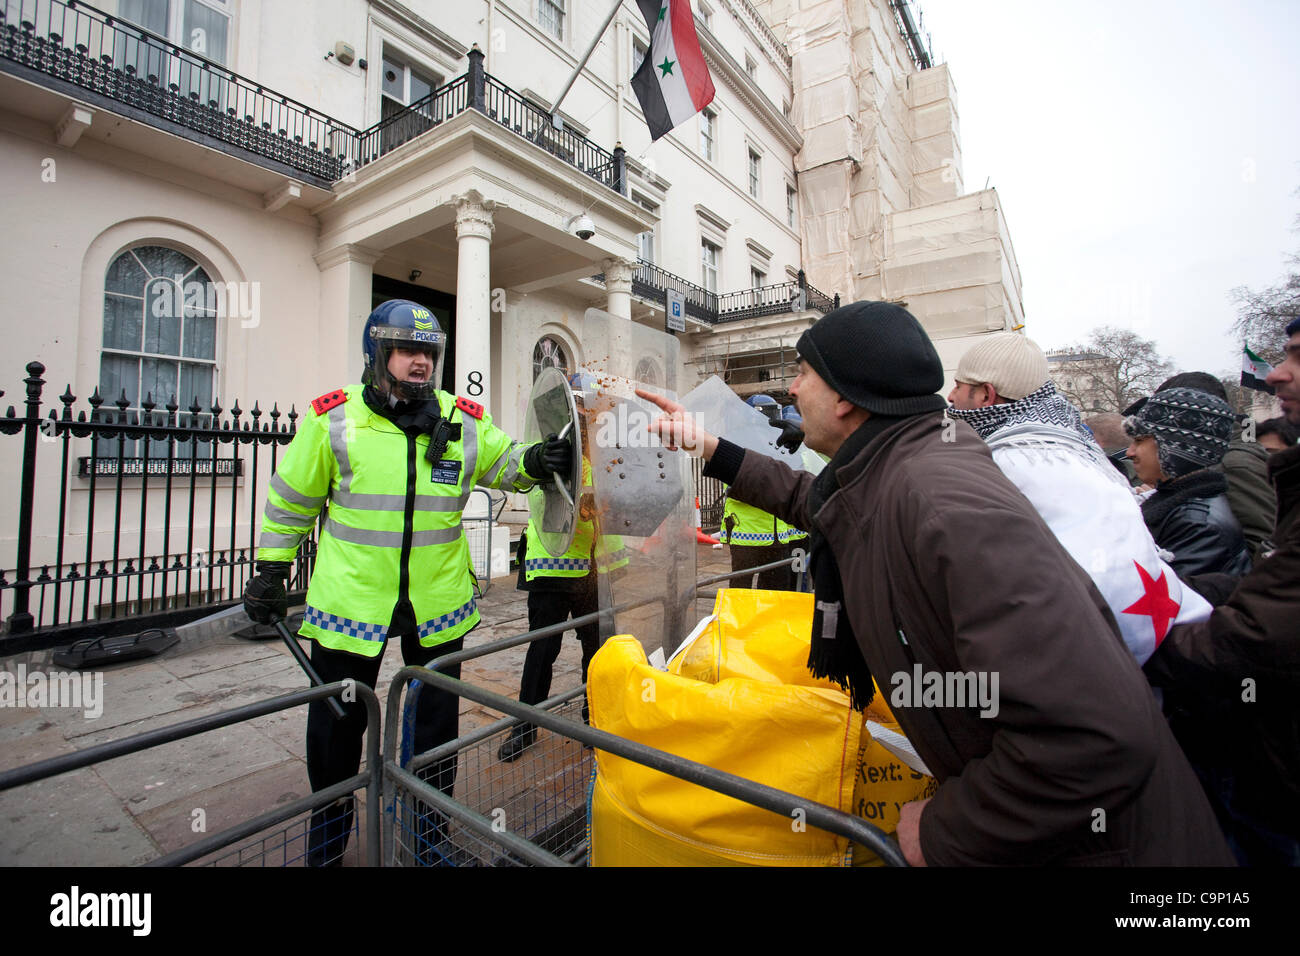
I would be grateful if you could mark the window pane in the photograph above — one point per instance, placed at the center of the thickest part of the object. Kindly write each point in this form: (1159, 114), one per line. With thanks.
(123, 321)
(421, 86)
(157, 380)
(205, 31)
(201, 337)
(118, 373)
(196, 380)
(162, 320)
(165, 262)
(150, 14)
(550, 14)
(125, 275)
(394, 79)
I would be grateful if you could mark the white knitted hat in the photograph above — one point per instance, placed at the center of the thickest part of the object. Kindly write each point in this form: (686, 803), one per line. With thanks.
(1008, 361)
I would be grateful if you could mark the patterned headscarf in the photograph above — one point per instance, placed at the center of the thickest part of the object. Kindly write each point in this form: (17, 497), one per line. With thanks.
(1191, 428)
(1044, 406)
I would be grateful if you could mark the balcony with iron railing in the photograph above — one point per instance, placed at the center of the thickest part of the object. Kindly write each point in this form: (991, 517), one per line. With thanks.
(651, 282)
(88, 55)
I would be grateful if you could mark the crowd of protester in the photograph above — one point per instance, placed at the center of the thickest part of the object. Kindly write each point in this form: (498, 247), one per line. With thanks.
(1127, 604)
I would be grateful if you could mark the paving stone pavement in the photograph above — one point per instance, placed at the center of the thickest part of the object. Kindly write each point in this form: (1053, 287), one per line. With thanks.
(135, 808)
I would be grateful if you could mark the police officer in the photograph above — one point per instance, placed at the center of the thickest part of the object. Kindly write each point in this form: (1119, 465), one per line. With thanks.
(560, 588)
(756, 537)
(396, 458)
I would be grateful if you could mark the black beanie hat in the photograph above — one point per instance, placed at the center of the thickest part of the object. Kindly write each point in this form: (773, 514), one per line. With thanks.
(877, 356)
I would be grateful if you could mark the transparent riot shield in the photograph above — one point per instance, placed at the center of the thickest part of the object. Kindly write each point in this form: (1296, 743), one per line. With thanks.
(642, 493)
(720, 411)
(553, 505)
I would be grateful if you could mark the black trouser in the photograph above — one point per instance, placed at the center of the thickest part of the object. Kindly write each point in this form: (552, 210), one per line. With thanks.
(334, 746)
(552, 607)
(755, 555)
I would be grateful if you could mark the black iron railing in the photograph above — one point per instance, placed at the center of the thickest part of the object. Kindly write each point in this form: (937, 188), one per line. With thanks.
(534, 124)
(85, 48)
(194, 484)
(424, 114)
(651, 282)
(102, 59)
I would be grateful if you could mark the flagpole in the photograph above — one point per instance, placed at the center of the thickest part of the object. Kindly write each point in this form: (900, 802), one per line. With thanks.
(583, 62)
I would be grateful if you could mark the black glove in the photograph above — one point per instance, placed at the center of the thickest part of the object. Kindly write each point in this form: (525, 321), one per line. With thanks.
(265, 599)
(548, 457)
(791, 434)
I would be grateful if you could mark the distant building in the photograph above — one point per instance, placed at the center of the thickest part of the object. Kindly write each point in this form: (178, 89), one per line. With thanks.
(1077, 374)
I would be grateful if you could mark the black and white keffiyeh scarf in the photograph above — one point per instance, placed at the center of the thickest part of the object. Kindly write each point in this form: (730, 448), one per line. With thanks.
(1044, 406)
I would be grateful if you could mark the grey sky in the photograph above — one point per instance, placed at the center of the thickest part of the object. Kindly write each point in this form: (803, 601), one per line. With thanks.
(1147, 156)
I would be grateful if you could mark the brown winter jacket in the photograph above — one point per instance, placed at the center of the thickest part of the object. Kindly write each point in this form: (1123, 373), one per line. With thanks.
(1243, 664)
(934, 543)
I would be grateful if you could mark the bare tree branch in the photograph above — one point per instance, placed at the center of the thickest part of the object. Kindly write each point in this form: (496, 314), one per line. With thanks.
(1112, 370)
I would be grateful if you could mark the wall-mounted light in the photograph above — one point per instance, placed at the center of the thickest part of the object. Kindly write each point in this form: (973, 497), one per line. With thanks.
(415, 274)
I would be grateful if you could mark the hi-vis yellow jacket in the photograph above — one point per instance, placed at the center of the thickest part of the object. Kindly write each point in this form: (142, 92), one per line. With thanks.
(607, 550)
(393, 528)
(754, 527)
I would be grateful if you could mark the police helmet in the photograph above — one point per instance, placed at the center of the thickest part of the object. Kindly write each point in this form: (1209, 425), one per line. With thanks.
(791, 414)
(765, 404)
(402, 324)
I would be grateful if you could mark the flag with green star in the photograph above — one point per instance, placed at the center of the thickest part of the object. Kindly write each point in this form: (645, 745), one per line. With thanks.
(672, 82)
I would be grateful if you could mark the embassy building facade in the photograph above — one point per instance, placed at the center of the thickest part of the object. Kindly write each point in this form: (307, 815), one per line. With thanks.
(208, 197)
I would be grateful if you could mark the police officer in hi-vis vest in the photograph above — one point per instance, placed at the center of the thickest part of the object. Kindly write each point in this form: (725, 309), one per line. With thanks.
(396, 458)
(756, 537)
(559, 588)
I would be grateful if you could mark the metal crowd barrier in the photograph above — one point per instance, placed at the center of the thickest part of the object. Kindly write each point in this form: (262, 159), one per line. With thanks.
(272, 841)
(500, 815)
(478, 532)
(470, 836)
(532, 811)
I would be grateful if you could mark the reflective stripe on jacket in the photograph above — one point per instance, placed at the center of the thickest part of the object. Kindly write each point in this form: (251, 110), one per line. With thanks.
(393, 527)
(755, 527)
(607, 550)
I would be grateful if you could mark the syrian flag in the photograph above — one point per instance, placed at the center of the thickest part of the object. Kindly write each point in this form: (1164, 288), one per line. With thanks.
(672, 82)
(1253, 371)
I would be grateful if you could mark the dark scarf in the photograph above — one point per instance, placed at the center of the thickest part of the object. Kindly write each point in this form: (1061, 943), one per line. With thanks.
(835, 653)
(1172, 492)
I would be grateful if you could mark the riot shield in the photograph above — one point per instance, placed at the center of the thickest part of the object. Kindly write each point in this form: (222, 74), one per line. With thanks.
(643, 493)
(717, 409)
(553, 505)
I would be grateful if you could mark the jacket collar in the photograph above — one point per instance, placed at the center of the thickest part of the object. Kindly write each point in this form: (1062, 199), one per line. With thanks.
(886, 433)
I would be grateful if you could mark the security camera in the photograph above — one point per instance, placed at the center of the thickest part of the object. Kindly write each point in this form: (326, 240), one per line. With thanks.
(583, 227)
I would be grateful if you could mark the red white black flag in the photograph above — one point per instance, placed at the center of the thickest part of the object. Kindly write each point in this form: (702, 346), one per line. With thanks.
(672, 83)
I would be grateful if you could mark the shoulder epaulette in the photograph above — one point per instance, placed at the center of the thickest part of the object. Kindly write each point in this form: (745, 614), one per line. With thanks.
(473, 409)
(327, 401)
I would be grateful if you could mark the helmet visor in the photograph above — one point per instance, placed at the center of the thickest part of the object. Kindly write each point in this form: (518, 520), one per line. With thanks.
(399, 369)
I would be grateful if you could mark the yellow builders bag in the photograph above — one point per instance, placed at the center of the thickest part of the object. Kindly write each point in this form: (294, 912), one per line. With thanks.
(737, 697)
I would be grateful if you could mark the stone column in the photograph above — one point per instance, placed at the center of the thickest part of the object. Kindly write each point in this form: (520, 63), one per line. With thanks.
(474, 297)
(618, 287)
(347, 275)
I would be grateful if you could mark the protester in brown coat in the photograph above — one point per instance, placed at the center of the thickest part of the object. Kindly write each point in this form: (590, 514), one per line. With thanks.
(928, 563)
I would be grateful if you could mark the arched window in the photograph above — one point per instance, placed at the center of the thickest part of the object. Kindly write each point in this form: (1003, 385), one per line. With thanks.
(549, 352)
(160, 330)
